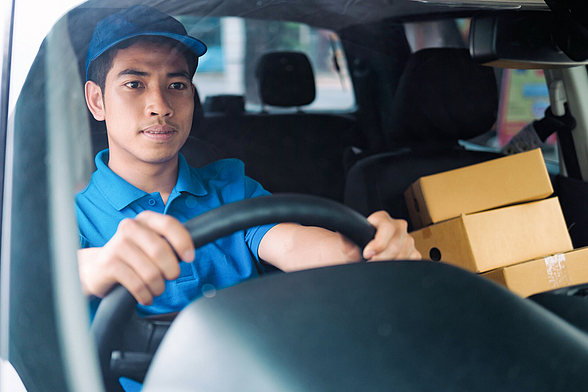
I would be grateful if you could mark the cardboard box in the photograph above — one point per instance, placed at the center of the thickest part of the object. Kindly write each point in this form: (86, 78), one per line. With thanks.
(497, 183)
(493, 239)
(544, 274)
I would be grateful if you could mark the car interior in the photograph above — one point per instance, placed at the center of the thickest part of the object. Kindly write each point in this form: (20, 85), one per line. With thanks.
(429, 119)
(368, 326)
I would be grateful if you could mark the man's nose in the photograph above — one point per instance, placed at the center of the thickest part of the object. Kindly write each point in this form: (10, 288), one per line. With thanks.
(158, 104)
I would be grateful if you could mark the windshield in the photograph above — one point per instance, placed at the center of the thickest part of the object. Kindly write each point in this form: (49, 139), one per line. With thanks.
(364, 106)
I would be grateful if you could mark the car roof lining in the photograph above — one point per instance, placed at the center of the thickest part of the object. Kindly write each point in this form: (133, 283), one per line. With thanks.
(329, 14)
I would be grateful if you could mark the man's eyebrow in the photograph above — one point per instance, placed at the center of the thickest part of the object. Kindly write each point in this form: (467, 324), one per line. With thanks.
(179, 74)
(130, 71)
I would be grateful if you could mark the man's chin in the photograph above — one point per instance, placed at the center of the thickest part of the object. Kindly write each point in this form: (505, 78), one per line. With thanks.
(161, 158)
(151, 153)
(160, 152)
(157, 157)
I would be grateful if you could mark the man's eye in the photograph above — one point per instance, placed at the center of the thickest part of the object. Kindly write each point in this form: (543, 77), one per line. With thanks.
(178, 86)
(133, 84)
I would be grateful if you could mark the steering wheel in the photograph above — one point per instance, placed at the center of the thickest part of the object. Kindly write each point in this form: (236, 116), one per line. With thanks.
(126, 342)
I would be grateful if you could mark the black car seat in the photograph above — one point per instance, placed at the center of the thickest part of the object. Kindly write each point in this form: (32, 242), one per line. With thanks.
(287, 148)
(443, 97)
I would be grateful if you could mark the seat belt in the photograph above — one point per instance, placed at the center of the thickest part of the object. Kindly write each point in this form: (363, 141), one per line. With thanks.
(563, 126)
(557, 120)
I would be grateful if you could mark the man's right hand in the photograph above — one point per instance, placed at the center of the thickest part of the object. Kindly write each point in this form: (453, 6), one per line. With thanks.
(139, 256)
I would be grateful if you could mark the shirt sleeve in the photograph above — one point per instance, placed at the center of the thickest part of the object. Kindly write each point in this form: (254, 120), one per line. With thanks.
(84, 243)
(252, 188)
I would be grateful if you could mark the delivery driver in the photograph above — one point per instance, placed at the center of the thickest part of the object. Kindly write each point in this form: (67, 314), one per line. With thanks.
(139, 70)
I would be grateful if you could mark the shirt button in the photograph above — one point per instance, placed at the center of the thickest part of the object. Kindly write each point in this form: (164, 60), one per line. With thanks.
(152, 202)
(191, 202)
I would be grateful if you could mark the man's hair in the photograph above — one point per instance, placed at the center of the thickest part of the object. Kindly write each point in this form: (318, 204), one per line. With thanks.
(100, 67)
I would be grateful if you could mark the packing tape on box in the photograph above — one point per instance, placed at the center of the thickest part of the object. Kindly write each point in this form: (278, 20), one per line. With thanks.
(557, 272)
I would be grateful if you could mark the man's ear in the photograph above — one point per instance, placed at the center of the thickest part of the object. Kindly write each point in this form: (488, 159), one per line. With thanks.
(94, 100)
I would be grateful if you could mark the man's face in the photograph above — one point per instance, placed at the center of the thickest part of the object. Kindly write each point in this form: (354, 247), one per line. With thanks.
(147, 104)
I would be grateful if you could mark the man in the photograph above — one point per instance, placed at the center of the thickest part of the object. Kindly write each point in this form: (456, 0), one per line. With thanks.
(139, 68)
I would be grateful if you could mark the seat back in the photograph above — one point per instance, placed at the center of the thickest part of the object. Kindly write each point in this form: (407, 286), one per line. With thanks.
(287, 150)
(443, 97)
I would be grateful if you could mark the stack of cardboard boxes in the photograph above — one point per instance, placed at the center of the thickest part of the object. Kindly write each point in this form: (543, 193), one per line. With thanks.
(496, 219)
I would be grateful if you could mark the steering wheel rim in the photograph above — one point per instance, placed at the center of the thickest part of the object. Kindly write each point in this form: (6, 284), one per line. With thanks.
(117, 308)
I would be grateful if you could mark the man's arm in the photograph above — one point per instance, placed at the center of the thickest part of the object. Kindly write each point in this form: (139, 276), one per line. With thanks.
(139, 256)
(292, 247)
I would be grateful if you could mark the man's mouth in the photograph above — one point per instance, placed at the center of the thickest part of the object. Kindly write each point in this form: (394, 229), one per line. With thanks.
(159, 130)
(159, 133)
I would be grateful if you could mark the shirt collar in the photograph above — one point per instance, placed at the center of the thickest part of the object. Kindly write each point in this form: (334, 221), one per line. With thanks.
(119, 193)
(114, 188)
(188, 179)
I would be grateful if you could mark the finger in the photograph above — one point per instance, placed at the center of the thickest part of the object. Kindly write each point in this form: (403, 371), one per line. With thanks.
(403, 249)
(101, 268)
(415, 255)
(108, 269)
(389, 239)
(172, 230)
(147, 269)
(127, 277)
(152, 248)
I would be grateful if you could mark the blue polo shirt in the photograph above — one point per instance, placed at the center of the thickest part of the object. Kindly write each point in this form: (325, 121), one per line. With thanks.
(108, 199)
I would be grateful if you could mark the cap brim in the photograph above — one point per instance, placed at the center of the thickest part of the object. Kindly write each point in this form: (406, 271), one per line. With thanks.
(194, 45)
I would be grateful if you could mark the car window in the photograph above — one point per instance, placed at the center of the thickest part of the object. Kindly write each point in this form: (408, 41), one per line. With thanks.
(524, 98)
(236, 44)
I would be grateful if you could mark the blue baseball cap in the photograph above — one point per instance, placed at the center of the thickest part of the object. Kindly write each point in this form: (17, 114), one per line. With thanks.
(138, 20)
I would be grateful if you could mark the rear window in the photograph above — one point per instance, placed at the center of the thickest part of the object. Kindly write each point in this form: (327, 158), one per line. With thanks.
(235, 46)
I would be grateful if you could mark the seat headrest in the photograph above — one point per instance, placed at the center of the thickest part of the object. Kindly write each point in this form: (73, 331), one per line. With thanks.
(443, 96)
(285, 79)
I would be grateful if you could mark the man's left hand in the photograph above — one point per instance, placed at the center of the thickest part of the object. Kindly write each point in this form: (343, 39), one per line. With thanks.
(391, 241)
